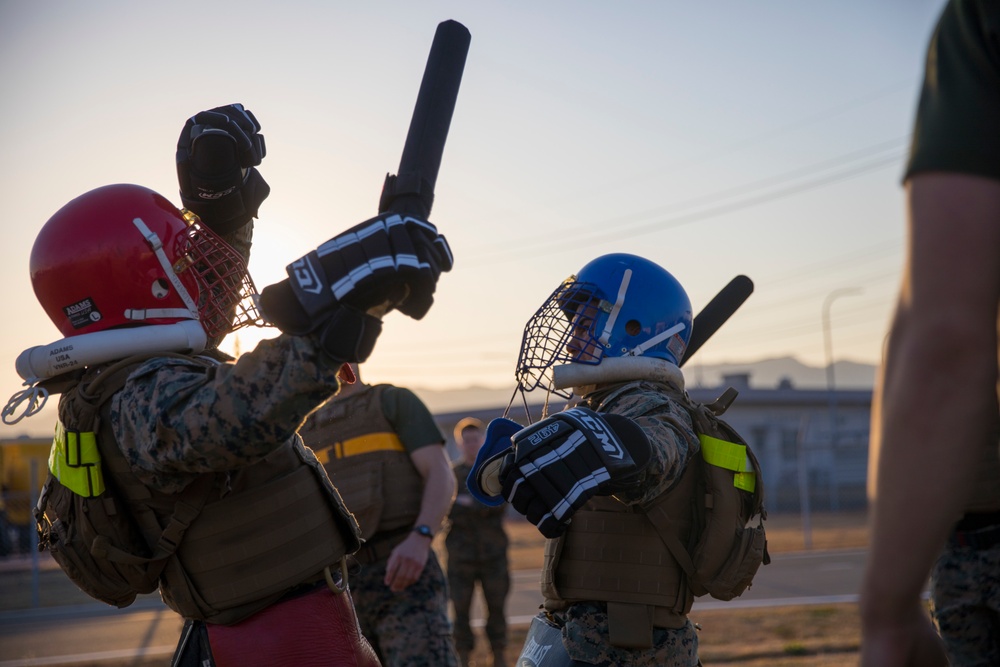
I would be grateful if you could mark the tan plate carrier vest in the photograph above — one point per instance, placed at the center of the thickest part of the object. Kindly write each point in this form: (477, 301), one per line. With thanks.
(367, 462)
(280, 523)
(617, 553)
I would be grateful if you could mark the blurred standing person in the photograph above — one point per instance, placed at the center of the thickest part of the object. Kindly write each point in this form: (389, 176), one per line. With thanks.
(384, 451)
(477, 551)
(935, 476)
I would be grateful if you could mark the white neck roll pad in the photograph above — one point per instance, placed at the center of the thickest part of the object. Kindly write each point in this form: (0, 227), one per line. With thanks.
(617, 369)
(62, 356)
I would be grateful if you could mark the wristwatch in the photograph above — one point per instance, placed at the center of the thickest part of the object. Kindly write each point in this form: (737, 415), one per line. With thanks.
(425, 530)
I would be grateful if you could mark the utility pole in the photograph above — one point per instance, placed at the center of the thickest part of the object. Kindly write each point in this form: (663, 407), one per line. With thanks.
(831, 388)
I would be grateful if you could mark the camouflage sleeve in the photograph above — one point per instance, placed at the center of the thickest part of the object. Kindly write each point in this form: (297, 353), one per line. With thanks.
(175, 419)
(668, 426)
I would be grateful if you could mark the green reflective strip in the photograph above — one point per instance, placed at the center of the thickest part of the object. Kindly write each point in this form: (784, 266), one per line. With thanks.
(730, 456)
(76, 461)
(745, 480)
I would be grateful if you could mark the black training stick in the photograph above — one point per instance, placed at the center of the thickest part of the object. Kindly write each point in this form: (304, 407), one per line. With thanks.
(411, 190)
(716, 312)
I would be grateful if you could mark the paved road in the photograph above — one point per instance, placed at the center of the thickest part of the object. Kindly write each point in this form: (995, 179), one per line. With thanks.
(95, 633)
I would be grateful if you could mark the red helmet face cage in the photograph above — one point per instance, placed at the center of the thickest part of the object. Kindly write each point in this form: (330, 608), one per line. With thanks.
(226, 291)
(122, 255)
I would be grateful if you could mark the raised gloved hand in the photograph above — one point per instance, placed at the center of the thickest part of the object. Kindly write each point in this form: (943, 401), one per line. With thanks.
(341, 290)
(216, 155)
(559, 463)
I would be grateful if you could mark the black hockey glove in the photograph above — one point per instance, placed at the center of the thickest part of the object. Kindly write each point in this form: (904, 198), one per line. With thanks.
(216, 155)
(561, 462)
(390, 261)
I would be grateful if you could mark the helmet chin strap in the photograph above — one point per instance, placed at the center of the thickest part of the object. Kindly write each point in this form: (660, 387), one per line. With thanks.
(157, 247)
(616, 308)
(641, 348)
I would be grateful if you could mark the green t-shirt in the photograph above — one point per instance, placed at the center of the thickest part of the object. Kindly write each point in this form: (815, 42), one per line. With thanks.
(410, 419)
(958, 117)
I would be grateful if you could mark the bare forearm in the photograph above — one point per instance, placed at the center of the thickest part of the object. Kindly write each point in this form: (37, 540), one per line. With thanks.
(439, 493)
(439, 485)
(934, 407)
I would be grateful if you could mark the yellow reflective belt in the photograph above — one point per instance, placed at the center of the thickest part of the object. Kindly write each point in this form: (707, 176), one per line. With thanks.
(76, 461)
(365, 444)
(730, 456)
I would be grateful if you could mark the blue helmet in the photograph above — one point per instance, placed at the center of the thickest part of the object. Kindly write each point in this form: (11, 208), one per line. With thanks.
(618, 305)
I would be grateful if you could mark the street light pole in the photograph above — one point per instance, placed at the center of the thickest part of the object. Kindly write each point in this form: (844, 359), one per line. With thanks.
(831, 388)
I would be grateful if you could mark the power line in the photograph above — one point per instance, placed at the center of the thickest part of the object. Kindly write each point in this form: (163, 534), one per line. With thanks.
(581, 239)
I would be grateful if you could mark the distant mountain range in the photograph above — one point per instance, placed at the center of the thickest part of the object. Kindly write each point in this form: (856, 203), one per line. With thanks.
(766, 373)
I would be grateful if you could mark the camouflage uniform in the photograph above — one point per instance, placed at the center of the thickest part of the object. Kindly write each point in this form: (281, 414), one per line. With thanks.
(965, 587)
(965, 580)
(477, 551)
(668, 427)
(175, 421)
(410, 628)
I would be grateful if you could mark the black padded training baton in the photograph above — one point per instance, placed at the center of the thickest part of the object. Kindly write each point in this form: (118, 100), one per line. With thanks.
(716, 312)
(411, 190)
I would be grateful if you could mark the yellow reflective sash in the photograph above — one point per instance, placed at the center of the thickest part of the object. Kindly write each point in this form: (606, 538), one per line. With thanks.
(730, 456)
(365, 444)
(76, 461)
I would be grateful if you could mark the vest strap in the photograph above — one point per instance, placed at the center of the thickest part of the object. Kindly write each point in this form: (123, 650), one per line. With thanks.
(75, 461)
(366, 444)
(630, 625)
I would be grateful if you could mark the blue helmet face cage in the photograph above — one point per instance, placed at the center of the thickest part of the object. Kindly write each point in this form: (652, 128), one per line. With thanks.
(555, 334)
(618, 306)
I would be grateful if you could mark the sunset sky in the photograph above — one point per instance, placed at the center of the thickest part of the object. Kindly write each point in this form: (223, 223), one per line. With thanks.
(764, 138)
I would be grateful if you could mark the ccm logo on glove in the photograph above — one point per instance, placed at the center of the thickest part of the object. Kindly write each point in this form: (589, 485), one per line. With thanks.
(598, 428)
(305, 275)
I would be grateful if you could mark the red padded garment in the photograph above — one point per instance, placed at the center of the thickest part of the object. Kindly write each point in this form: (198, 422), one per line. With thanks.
(319, 629)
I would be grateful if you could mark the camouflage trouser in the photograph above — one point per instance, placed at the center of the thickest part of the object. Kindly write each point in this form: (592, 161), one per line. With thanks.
(585, 636)
(407, 629)
(494, 579)
(965, 588)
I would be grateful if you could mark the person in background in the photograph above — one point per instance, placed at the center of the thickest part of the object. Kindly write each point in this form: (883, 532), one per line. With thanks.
(477, 552)
(386, 455)
(934, 476)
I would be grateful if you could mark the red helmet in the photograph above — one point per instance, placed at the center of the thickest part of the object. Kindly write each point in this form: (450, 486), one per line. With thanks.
(122, 255)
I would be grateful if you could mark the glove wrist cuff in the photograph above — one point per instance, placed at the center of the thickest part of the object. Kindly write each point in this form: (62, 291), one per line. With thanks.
(348, 335)
(230, 212)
